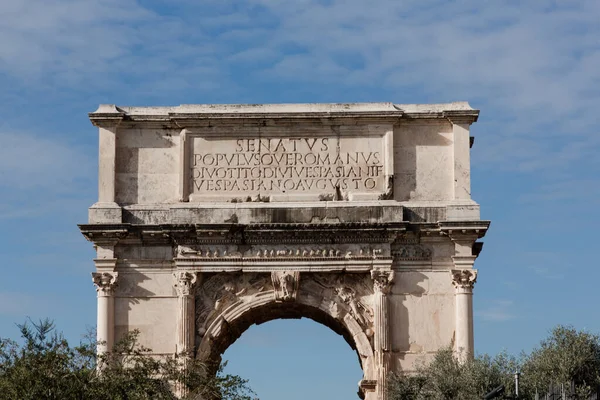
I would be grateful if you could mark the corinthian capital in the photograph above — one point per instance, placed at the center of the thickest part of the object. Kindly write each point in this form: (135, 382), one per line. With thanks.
(382, 280)
(105, 281)
(184, 282)
(464, 279)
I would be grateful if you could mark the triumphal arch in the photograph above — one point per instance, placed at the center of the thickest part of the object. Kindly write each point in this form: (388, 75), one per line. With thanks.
(211, 218)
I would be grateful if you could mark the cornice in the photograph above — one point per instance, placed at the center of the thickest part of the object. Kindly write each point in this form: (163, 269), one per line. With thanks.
(104, 233)
(352, 232)
(462, 116)
(207, 114)
(464, 228)
(246, 234)
(107, 115)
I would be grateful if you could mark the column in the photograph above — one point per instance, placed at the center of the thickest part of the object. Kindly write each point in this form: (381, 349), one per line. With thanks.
(105, 329)
(382, 281)
(184, 283)
(184, 343)
(464, 280)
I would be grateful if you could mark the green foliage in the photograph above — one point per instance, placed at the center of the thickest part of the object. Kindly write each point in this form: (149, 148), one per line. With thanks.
(445, 378)
(45, 366)
(567, 357)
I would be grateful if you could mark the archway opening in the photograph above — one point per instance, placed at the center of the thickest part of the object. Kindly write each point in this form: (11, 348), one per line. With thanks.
(308, 356)
(295, 359)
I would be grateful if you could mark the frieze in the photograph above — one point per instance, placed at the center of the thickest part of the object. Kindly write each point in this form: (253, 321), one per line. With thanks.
(319, 234)
(411, 252)
(280, 252)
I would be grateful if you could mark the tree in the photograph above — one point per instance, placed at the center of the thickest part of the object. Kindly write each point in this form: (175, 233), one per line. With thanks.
(566, 357)
(45, 366)
(446, 378)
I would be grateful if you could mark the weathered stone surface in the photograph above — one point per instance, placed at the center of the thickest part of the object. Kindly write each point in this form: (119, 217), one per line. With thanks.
(211, 218)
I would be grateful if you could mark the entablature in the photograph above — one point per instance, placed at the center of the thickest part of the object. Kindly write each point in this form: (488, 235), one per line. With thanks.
(292, 233)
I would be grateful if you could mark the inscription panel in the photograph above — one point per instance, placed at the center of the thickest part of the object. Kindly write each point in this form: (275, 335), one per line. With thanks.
(287, 168)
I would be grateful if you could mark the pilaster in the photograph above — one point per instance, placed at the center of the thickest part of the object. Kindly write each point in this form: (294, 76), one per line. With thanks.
(461, 123)
(107, 118)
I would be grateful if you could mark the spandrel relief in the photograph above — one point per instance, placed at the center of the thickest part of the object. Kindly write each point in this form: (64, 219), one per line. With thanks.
(221, 290)
(350, 292)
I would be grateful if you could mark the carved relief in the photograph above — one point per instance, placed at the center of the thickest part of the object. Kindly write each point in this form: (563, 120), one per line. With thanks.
(279, 252)
(351, 291)
(285, 284)
(411, 252)
(464, 279)
(105, 282)
(382, 280)
(219, 291)
(184, 282)
(357, 307)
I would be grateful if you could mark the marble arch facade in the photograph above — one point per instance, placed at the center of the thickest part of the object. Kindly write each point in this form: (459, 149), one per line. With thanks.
(211, 218)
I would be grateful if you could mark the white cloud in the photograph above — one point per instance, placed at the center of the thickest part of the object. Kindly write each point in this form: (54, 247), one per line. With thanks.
(531, 67)
(566, 192)
(497, 311)
(20, 304)
(548, 265)
(31, 162)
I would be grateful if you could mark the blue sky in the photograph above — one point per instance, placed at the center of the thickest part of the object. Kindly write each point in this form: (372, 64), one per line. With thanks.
(533, 68)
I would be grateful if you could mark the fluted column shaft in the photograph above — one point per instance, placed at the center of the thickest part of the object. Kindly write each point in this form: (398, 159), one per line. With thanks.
(463, 281)
(184, 282)
(105, 328)
(382, 280)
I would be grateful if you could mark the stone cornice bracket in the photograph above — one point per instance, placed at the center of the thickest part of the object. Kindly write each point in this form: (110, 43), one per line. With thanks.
(458, 229)
(105, 282)
(103, 235)
(365, 386)
(462, 116)
(382, 280)
(107, 115)
(464, 279)
(286, 284)
(464, 235)
(184, 282)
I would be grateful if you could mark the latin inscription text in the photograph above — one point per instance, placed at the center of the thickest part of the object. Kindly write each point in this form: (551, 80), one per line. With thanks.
(283, 165)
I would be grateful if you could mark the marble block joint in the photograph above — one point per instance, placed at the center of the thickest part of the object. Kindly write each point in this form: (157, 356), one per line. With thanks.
(211, 218)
